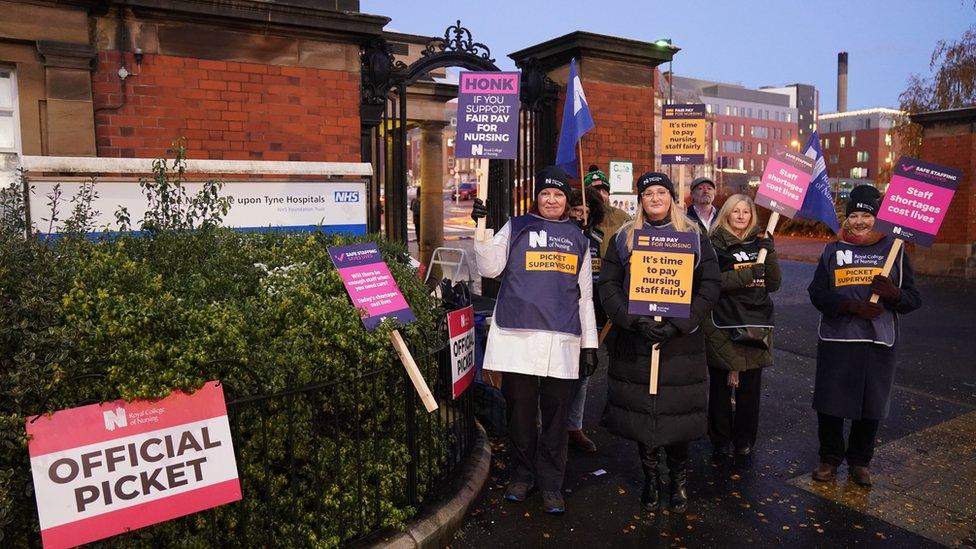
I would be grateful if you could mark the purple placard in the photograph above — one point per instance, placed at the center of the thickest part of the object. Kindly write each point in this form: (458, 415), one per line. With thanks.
(917, 200)
(369, 284)
(488, 115)
(661, 273)
(784, 181)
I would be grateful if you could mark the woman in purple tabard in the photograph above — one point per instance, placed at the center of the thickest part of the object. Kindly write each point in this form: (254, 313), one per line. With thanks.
(543, 335)
(858, 339)
(676, 414)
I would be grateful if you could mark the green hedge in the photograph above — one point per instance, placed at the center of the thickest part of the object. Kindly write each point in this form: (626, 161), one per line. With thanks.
(133, 317)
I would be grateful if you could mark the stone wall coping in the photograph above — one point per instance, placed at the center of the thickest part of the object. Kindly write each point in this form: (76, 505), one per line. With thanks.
(86, 165)
(558, 51)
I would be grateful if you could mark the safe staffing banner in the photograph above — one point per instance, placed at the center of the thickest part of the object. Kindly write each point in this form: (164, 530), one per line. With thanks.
(785, 181)
(917, 200)
(104, 469)
(662, 267)
(370, 285)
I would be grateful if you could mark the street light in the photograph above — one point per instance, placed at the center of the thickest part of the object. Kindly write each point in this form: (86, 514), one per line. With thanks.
(795, 144)
(666, 43)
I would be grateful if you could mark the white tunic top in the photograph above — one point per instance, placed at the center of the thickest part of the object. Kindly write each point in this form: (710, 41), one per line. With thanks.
(535, 352)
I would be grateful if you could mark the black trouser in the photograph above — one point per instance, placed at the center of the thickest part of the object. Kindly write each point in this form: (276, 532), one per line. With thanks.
(676, 456)
(538, 457)
(860, 442)
(739, 427)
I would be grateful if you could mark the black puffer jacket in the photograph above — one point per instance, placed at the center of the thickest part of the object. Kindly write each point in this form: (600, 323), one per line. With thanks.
(677, 412)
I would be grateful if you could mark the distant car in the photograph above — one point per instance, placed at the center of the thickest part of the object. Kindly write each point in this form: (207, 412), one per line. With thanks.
(467, 191)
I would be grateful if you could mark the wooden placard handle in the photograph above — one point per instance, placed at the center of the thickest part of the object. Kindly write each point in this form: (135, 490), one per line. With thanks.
(770, 227)
(415, 376)
(889, 263)
(605, 331)
(655, 363)
(480, 233)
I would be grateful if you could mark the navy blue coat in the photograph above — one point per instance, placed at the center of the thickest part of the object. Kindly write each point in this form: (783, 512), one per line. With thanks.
(854, 379)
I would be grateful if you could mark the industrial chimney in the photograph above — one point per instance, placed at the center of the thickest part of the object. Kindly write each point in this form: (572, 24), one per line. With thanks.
(842, 81)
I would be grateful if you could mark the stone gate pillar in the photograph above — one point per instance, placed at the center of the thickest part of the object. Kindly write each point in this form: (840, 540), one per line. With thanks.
(431, 188)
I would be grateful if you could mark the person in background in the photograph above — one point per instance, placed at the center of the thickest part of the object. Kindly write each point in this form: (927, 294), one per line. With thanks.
(857, 338)
(702, 197)
(738, 332)
(543, 336)
(594, 216)
(676, 414)
(415, 210)
(613, 217)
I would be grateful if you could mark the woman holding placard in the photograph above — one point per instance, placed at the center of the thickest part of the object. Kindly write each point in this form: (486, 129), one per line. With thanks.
(738, 332)
(675, 415)
(856, 350)
(543, 335)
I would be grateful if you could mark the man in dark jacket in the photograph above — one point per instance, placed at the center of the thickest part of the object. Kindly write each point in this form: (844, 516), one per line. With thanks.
(702, 196)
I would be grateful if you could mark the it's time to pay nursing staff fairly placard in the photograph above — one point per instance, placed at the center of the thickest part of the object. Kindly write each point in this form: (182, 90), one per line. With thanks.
(662, 267)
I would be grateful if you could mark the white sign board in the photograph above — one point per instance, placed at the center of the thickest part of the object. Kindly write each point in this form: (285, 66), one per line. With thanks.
(255, 205)
(626, 202)
(621, 176)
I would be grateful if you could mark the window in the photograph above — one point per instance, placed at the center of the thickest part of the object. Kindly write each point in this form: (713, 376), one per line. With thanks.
(859, 173)
(728, 110)
(732, 146)
(789, 134)
(742, 164)
(752, 165)
(853, 140)
(843, 142)
(760, 132)
(777, 133)
(750, 112)
(9, 122)
(708, 108)
(762, 165)
(759, 148)
(888, 139)
(789, 117)
(862, 156)
(716, 145)
(867, 124)
(827, 143)
(749, 146)
(833, 158)
(742, 130)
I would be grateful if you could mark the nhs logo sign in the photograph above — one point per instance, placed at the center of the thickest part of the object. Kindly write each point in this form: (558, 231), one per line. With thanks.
(346, 196)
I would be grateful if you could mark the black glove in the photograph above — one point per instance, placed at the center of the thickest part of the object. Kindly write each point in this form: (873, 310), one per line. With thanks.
(657, 332)
(861, 309)
(765, 243)
(884, 287)
(758, 271)
(479, 210)
(588, 362)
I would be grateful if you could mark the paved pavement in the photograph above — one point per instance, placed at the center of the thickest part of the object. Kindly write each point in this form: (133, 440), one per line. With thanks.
(925, 492)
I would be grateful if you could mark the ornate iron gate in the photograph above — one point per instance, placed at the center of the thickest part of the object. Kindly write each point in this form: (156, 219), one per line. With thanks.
(383, 114)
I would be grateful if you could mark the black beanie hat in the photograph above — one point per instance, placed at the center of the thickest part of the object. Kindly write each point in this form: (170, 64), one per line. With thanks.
(654, 178)
(552, 178)
(864, 198)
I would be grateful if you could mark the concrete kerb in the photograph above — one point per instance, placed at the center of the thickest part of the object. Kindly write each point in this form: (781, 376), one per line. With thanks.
(436, 526)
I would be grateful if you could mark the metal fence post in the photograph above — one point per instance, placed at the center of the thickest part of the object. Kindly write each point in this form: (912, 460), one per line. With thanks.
(410, 418)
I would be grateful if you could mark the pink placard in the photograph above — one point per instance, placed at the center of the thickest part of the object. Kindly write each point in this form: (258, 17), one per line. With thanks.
(104, 469)
(784, 182)
(369, 283)
(917, 200)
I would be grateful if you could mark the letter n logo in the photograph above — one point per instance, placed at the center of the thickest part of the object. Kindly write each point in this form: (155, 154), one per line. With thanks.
(741, 256)
(538, 239)
(477, 150)
(845, 257)
(115, 419)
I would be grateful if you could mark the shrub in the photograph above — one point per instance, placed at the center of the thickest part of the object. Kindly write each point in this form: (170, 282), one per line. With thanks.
(85, 320)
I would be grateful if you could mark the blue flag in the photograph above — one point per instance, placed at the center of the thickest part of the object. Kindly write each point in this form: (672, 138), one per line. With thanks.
(818, 204)
(576, 122)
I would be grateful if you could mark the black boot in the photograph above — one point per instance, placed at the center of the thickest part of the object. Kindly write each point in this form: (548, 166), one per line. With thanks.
(651, 494)
(678, 470)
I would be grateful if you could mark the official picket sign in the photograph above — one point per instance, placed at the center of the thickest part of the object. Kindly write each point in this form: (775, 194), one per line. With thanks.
(621, 176)
(488, 115)
(339, 207)
(683, 134)
(370, 284)
(785, 181)
(104, 469)
(460, 327)
(917, 199)
(662, 268)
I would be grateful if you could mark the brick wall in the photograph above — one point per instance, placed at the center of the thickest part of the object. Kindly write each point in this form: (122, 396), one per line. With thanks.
(957, 151)
(623, 118)
(226, 110)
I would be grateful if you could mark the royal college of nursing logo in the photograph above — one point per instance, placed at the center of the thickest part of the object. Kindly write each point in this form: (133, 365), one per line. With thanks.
(741, 256)
(845, 257)
(114, 419)
(538, 239)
